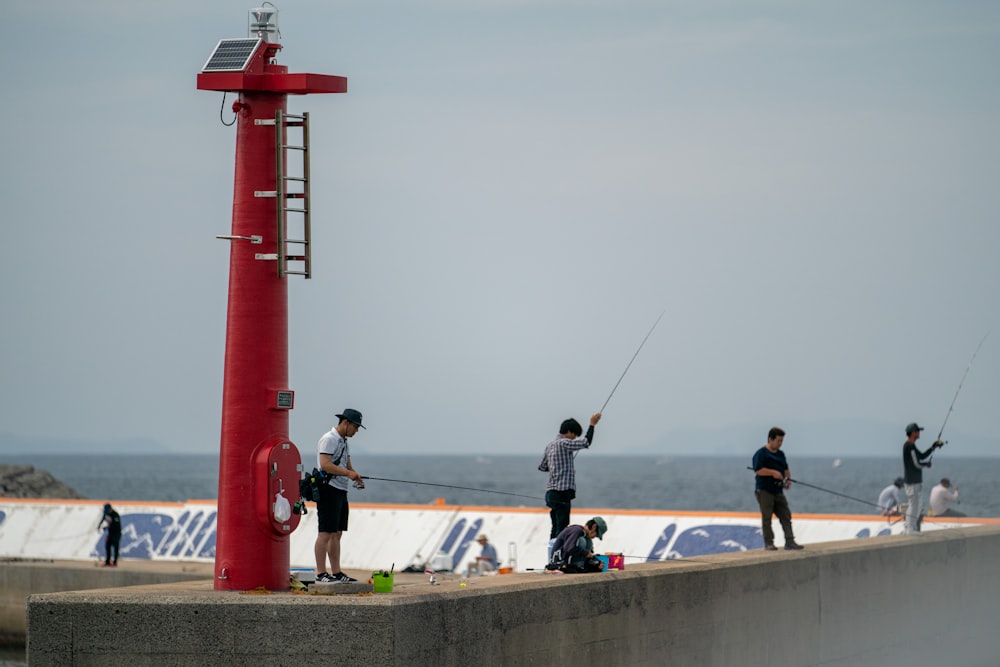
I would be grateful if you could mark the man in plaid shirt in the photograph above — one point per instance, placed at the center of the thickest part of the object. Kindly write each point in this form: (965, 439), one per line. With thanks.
(558, 462)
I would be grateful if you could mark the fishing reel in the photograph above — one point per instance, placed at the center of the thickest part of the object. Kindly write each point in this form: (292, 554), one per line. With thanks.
(300, 506)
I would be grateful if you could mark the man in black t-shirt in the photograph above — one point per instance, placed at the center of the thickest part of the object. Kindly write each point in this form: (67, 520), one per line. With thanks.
(914, 461)
(772, 478)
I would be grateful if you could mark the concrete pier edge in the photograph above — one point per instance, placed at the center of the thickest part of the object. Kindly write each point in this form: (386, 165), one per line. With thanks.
(855, 602)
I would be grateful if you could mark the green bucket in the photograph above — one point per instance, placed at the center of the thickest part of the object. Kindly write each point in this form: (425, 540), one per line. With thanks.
(382, 582)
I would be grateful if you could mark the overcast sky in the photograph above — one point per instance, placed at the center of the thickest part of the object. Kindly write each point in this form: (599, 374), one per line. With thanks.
(504, 202)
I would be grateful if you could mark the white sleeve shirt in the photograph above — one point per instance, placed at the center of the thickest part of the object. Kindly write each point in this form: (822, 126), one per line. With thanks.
(942, 499)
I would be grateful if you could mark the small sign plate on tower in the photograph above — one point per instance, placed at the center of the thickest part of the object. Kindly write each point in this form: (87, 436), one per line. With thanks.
(286, 399)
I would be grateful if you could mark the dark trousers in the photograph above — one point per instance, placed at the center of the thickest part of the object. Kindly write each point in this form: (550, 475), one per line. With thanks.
(111, 544)
(772, 504)
(559, 503)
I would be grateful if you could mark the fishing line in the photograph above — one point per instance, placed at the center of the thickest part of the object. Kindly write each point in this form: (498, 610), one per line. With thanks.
(644, 558)
(451, 486)
(950, 407)
(665, 560)
(633, 359)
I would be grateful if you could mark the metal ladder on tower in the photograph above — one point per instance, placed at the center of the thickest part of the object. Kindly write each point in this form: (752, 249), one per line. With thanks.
(296, 249)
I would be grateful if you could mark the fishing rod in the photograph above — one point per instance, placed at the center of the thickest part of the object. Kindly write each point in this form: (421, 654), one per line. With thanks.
(451, 486)
(950, 407)
(842, 495)
(631, 360)
(836, 493)
(615, 388)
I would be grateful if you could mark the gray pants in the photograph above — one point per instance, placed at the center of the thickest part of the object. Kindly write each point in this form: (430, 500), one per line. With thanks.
(912, 523)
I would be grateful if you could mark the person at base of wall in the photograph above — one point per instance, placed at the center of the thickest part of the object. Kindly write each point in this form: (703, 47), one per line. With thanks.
(943, 495)
(772, 479)
(889, 500)
(914, 461)
(333, 457)
(111, 522)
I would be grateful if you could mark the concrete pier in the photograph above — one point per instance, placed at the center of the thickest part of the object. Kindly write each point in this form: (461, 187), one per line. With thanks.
(20, 578)
(892, 600)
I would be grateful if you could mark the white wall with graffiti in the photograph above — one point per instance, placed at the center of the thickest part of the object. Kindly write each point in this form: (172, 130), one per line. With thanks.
(382, 536)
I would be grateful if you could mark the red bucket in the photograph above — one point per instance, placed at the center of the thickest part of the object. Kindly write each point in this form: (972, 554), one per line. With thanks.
(616, 561)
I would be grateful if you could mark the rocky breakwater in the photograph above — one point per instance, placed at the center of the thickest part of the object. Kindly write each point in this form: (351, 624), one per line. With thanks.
(27, 482)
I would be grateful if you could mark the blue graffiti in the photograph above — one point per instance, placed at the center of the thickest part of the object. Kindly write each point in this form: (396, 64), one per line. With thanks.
(158, 535)
(456, 544)
(453, 534)
(715, 539)
(659, 550)
(703, 540)
(864, 532)
(470, 536)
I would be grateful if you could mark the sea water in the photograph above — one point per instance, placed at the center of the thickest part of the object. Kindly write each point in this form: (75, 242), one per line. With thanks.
(626, 482)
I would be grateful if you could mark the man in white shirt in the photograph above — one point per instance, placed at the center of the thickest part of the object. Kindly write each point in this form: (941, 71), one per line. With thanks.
(942, 498)
(333, 459)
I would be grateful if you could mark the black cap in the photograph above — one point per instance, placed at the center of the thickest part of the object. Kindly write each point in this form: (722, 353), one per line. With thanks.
(913, 428)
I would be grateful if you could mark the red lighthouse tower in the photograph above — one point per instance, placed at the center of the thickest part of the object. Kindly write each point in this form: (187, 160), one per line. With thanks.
(259, 466)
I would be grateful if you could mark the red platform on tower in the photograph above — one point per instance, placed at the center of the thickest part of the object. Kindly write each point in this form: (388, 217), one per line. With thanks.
(256, 71)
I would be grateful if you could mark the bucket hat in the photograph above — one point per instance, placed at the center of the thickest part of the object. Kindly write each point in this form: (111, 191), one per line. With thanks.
(602, 527)
(351, 415)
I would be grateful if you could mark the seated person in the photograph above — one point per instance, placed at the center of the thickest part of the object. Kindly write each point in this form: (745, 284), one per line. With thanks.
(486, 561)
(889, 499)
(942, 497)
(573, 550)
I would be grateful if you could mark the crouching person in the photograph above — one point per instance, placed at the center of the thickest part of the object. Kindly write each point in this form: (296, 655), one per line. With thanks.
(573, 550)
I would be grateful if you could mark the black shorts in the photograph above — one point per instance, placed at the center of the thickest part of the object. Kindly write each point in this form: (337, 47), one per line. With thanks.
(332, 509)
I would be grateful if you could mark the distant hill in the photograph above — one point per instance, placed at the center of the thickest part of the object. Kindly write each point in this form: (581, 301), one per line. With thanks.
(13, 444)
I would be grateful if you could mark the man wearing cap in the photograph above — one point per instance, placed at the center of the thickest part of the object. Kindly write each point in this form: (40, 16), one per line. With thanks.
(573, 551)
(486, 561)
(889, 500)
(334, 459)
(914, 461)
